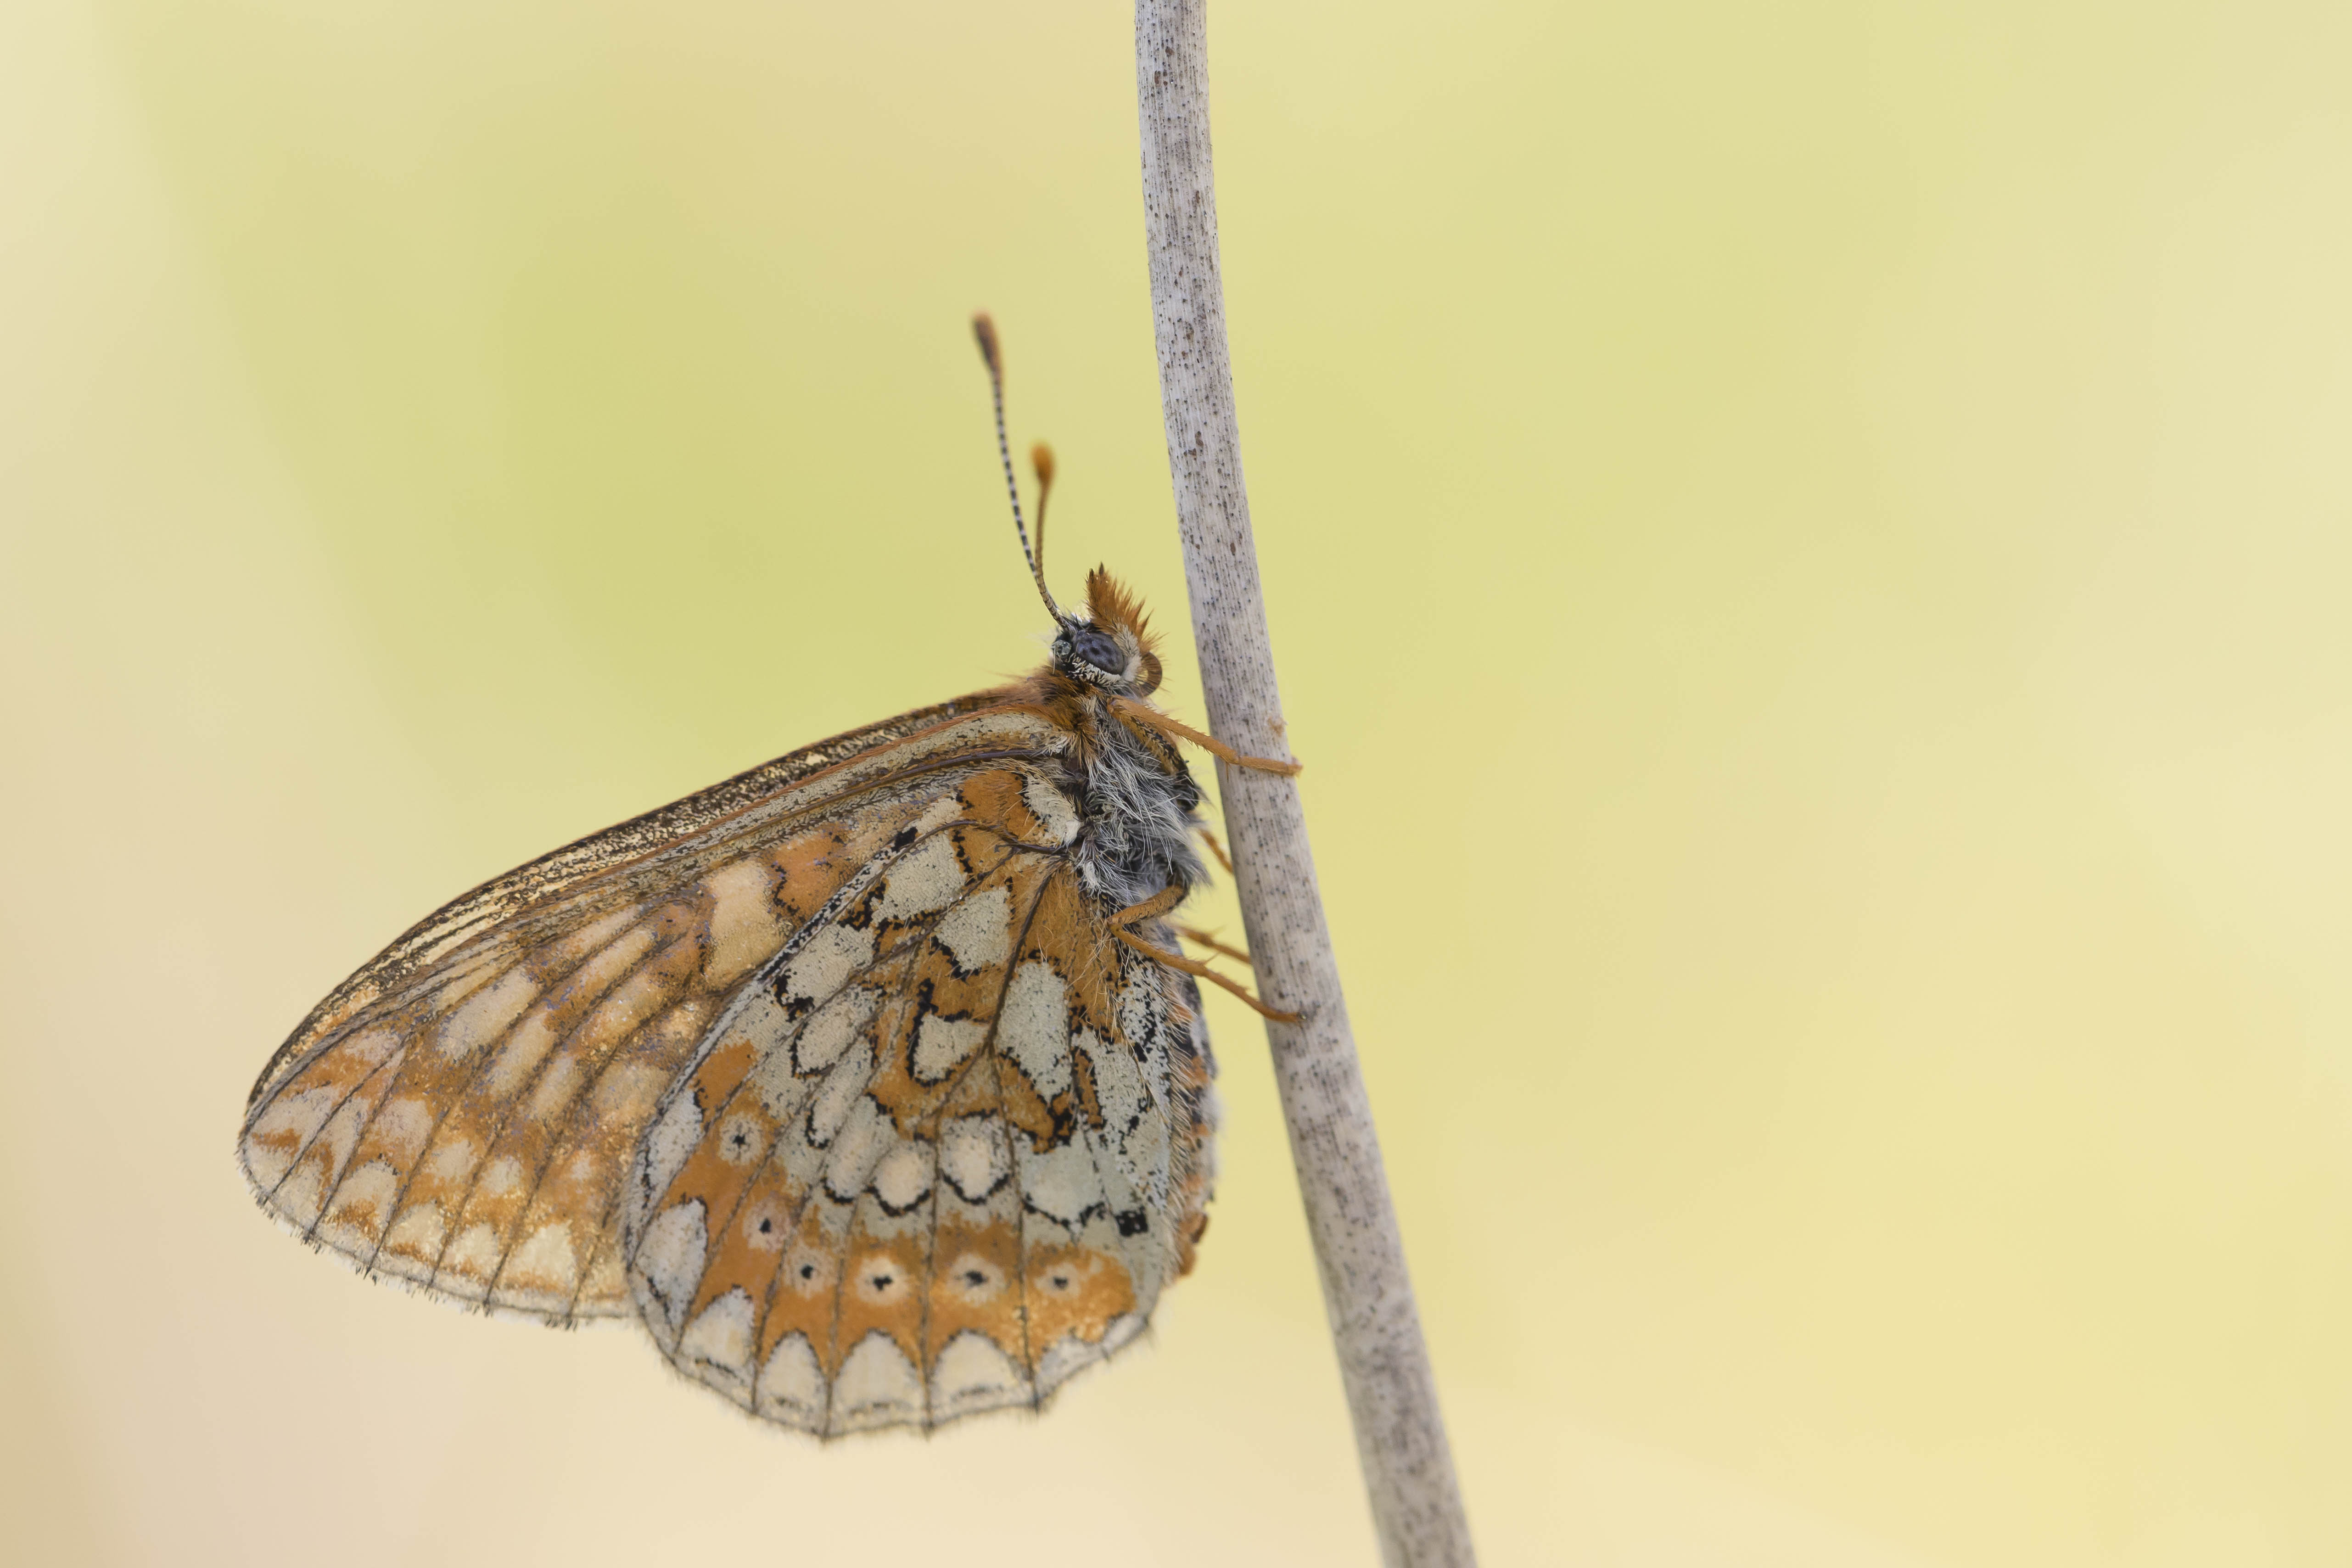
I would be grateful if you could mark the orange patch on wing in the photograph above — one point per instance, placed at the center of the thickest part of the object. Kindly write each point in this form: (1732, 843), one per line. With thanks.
(1069, 932)
(883, 1282)
(996, 797)
(807, 1285)
(975, 1284)
(1075, 1289)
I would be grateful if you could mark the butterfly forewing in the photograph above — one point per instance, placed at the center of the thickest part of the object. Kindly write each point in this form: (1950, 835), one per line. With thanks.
(462, 1111)
(946, 1149)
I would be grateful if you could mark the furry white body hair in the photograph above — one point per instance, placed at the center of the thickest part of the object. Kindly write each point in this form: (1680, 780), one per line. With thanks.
(1139, 822)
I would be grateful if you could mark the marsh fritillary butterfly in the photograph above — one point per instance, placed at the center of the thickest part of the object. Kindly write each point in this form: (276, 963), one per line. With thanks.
(869, 1081)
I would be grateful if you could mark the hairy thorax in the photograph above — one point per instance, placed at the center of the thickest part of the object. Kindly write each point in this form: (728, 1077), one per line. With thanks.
(1139, 817)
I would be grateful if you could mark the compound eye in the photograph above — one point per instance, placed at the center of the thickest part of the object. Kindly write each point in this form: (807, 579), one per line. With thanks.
(1100, 648)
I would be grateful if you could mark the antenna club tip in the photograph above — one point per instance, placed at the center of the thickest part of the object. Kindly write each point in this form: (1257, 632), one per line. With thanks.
(1041, 457)
(983, 330)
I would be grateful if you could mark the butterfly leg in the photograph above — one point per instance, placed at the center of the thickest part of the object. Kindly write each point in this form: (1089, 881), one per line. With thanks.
(1217, 845)
(1160, 903)
(1199, 938)
(1135, 713)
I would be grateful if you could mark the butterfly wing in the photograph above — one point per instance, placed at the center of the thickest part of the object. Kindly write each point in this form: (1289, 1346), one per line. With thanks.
(946, 1149)
(460, 1112)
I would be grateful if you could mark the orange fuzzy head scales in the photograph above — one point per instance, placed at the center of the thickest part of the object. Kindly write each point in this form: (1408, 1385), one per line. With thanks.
(1112, 608)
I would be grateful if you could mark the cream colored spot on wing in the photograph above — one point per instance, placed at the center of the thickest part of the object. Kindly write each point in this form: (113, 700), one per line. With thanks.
(832, 1027)
(942, 1045)
(971, 1157)
(1051, 807)
(1061, 1183)
(744, 927)
(502, 1177)
(720, 1338)
(546, 1260)
(454, 1160)
(670, 1261)
(839, 1094)
(298, 1116)
(809, 1270)
(928, 878)
(743, 1138)
(826, 964)
(880, 1281)
(279, 1132)
(343, 1133)
(792, 1385)
(299, 1197)
(878, 1386)
(765, 1225)
(556, 1087)
(903, 1177)
(474, 1253)
(972, 1374)
(973, 1280)
(1119, 1082)
(403, 1126)
(417, 1232)
(978, 932)
(938, 814)
(371, 1047)
(486, 1015)
(864, 1137)
(1034, 1027)
(669, 1142)
(630, 1004)
(363, 1202)
(590, 937)
(521, 1055)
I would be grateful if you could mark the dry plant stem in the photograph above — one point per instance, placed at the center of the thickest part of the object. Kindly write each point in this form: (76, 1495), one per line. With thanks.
(1400, 1436)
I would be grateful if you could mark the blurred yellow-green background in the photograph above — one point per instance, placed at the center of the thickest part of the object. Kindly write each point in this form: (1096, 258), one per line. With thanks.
(1807, 547)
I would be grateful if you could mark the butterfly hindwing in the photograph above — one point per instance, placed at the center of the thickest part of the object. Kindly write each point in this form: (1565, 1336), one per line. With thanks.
(461, 1113)
(943, 1152)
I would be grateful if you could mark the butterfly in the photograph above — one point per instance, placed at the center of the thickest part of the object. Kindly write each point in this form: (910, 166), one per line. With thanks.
(871, 1081)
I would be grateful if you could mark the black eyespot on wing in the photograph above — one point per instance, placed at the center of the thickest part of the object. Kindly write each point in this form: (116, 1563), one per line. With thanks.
(1100, 648)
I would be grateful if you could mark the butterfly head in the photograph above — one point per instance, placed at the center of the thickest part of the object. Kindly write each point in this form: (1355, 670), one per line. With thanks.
(1111, 645)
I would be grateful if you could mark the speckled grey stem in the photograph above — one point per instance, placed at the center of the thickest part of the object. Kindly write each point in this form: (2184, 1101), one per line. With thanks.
(1366, 1293)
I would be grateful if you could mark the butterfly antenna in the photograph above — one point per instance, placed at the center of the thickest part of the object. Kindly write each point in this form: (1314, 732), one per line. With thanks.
(1041, 459)
(985, 331)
